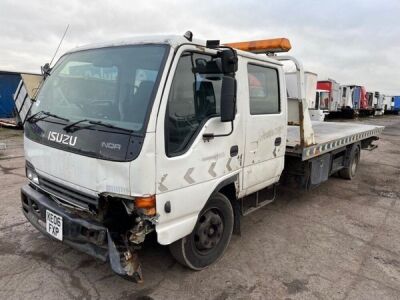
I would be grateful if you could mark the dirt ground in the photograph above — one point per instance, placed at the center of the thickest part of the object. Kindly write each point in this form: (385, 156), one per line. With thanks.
(338, 241)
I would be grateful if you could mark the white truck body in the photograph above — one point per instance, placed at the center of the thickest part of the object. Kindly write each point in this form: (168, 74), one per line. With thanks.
(388, 103)
(77, 185)
(379, 104)
(335, 97)
(346, 93)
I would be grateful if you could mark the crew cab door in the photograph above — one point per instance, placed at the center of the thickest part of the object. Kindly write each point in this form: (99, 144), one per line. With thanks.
(265, 127)
(188, 167)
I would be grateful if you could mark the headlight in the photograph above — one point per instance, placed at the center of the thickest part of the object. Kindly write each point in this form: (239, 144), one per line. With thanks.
(31, 174)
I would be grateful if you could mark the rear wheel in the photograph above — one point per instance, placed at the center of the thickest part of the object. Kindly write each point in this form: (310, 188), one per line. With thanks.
(350, 171)
(210, 237)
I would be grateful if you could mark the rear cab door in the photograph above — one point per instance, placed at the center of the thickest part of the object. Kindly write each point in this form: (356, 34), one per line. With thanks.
(266, 124)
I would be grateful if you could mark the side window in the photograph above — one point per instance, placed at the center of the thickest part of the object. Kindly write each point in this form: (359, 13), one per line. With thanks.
(193, 99)
(263, 90)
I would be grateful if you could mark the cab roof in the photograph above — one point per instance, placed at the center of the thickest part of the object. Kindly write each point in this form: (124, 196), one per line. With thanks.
(173, 40)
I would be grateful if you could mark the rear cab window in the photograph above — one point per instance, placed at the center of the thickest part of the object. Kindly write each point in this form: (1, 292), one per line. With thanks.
(263, 90)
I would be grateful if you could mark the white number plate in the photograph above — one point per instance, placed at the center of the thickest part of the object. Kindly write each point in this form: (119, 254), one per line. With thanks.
(54, 225)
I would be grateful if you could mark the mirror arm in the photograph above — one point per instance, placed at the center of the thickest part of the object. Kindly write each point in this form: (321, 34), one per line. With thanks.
(209, 136)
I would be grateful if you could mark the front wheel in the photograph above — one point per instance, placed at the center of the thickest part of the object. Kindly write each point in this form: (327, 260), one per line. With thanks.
(210, 236)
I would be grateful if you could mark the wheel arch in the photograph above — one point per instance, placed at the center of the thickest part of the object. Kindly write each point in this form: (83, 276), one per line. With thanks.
(228, 187)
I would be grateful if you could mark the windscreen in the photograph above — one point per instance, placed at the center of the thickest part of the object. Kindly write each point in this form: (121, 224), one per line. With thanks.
(114, 85)
(324, 100)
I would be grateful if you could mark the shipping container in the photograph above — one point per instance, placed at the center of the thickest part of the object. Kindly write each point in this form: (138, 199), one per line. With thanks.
(8, 84)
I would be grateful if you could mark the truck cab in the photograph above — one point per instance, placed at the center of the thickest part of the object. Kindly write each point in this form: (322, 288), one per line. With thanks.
(333, 103)
(127, 138)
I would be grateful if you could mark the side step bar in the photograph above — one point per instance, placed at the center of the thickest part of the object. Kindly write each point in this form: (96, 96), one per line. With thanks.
(257, 200)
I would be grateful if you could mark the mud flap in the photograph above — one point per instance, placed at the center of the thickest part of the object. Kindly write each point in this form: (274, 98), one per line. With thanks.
(124, 260)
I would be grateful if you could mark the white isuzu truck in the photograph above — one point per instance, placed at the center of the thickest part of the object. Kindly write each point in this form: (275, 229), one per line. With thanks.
(175, 136)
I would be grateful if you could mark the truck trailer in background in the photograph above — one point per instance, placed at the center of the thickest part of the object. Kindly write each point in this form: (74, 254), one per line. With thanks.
(392, 105)
(8, 84)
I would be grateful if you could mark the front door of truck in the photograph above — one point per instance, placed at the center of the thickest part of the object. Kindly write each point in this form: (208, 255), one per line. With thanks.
(265, 126)
(188, 167)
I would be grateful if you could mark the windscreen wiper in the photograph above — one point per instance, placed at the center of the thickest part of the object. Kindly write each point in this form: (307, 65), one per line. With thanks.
(68, 127)
(91, 122)
(110, 126)
(37, 117)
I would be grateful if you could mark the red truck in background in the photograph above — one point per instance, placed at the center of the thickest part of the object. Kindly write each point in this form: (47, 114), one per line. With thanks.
(333, 105)
(365, 106)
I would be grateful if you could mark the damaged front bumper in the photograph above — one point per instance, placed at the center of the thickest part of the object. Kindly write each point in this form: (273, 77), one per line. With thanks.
(87, 236)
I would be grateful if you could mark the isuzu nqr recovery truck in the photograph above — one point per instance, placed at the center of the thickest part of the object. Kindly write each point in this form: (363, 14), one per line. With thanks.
(172, 135)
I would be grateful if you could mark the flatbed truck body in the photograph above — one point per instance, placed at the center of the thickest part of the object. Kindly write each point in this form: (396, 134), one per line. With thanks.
(175, 136)
(329, 136)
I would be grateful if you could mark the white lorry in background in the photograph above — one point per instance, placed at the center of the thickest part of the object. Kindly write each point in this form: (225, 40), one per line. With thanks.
(388, 104)
(378, 103)
(175, 136)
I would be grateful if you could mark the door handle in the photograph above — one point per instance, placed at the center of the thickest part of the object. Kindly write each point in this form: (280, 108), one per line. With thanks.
(278, 141)
(234, 150)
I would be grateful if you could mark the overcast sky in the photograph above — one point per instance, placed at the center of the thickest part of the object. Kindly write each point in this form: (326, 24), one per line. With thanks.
(349, 41)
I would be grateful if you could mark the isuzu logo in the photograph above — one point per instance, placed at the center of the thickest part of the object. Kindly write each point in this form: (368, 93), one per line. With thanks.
(111, 146)
(62, 138)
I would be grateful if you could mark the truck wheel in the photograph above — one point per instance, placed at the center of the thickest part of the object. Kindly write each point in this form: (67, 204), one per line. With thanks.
(350, 172)
(210, 236)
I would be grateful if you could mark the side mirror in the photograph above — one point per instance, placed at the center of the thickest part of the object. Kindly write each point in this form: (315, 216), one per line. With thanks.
(228, 99)
(229, 61)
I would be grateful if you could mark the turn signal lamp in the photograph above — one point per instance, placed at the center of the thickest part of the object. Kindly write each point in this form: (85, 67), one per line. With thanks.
(263, 46)
(148, 204)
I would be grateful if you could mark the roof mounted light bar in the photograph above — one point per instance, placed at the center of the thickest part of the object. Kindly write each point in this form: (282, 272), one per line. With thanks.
(263, 46)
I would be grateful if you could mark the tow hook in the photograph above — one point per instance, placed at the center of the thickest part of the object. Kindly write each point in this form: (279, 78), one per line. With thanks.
(124, 260)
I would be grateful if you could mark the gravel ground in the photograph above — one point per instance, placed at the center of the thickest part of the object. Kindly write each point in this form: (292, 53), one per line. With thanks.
(338, 241)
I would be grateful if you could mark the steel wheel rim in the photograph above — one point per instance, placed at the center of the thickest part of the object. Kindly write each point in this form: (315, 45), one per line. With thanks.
(354, 164)
(209, 231)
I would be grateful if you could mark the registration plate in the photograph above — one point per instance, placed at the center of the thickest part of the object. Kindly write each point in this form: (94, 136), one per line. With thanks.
(54, 225)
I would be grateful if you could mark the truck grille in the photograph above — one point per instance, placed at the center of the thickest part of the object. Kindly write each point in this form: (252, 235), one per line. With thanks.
(67, 196)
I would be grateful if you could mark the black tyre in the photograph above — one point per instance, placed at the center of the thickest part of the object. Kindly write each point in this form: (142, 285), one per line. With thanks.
(350, 172)
(210, 236)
